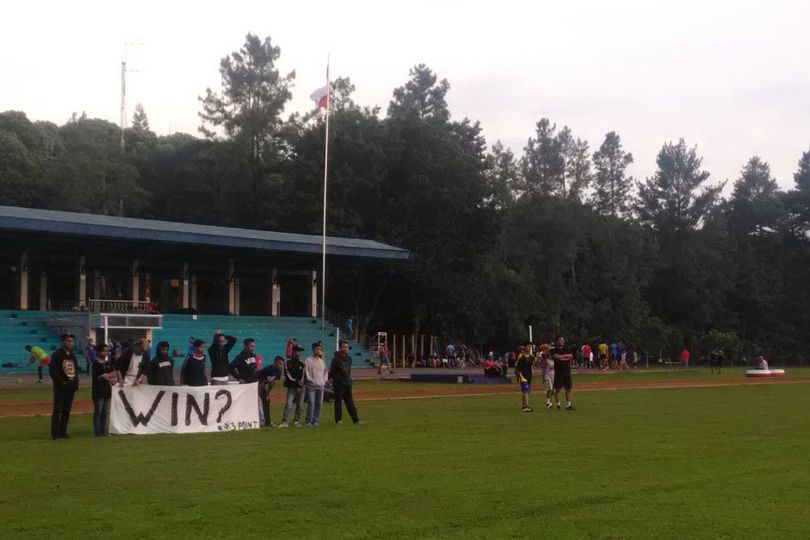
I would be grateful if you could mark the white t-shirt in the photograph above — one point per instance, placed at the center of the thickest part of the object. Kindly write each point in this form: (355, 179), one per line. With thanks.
(132, 372)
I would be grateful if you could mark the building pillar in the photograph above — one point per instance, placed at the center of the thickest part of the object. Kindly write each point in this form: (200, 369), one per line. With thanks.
(23, 277)
(275, 294)
(231, 288)
(193, 286)
(43, 291)
(136, 280)
(236, 296)
(81, 281)
(97, 284)
(314, 294)
(184, 291)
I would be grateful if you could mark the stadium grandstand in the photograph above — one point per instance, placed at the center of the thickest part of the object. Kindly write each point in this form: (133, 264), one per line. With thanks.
(121, 278)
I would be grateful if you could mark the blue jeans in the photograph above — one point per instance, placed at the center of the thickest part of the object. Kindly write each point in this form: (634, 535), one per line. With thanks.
(101, 411)
(315, 399)
(295, 396)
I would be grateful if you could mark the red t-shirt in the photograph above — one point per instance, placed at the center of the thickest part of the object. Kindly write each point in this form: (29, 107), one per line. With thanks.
(685, 356)
(586, 351)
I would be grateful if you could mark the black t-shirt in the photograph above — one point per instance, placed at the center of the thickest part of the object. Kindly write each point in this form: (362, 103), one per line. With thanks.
(101, 387)
(523, 367)
(160, 371)
(563, 356)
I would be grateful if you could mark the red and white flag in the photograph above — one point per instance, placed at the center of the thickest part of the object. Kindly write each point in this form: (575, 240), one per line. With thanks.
(320, 97)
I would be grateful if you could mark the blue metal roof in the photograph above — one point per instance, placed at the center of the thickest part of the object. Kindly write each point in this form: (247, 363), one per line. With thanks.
(52, 221)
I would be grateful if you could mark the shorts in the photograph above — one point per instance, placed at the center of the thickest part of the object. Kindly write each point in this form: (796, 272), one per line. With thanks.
(548, 379)
(45, 362)
(684, 364)
(562, 379)
(526, 387)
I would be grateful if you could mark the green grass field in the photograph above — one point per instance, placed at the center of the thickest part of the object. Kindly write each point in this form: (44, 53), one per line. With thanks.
(729, 462)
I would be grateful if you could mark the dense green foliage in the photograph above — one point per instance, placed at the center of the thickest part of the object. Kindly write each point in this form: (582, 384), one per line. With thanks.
(560, 238)
(665, 463)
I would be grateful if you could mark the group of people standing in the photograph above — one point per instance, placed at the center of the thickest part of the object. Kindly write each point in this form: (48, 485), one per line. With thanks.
(304, 380)
(556, 364)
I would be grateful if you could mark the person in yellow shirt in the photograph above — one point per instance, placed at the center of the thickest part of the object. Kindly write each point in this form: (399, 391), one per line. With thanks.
(603, 355)
(38, 355)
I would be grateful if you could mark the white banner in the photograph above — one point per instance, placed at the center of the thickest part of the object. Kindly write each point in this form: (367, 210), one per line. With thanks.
(145, 409)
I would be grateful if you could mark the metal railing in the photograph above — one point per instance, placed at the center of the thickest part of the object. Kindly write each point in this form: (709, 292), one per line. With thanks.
(118, 306)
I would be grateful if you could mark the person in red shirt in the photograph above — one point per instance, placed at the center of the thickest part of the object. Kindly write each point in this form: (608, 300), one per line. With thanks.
(685, 358)
(586, 356)
(384, 359)
(490, 368)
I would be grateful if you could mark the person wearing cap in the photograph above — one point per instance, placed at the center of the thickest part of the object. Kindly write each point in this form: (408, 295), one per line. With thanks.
(132, 363)
(294, 383)
(64, 374)
(315, 375)
(340, 372)
(193, 371)
(160, 369)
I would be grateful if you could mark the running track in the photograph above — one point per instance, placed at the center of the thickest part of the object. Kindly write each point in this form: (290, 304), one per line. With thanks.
(37, 408)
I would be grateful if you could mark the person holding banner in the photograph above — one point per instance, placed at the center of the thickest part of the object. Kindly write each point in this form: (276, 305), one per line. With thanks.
(340, 372)
(294, 383)
(267, 377)
(132, 363)
(315, 375)
(193, 371)
(160, 369)
(64, 374)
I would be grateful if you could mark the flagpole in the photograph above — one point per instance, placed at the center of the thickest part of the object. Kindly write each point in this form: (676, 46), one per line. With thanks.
(325, 176)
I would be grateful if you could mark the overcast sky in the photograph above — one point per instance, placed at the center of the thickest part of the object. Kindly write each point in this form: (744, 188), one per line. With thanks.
(729, 76)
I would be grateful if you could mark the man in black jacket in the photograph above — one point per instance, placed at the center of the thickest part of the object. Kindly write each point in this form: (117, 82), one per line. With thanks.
(64, 373)
(193, 371)
(132, 363)
(294, 383)
(160, 369)
(218, 353)
(243, 367)
(340, 372)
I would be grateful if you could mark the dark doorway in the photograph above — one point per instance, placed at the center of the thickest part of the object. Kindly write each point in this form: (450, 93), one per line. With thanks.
(295, 295)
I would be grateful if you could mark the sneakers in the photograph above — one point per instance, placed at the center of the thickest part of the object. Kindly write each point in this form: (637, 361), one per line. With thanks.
(558, 406)
(339, 423)
(284, 424)
(315, 424)
(570, 408)
(527, 409)
(548, 404)
(360, 422)
(297, 424)
(270, 424)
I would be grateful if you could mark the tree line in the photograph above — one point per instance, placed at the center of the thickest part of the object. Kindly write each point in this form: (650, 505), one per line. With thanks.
(560, 237)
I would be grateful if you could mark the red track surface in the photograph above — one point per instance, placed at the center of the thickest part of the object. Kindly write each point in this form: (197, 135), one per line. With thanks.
(33, 408)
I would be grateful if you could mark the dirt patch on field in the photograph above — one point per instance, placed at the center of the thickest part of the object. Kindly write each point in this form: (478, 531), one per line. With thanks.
(35, 408)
